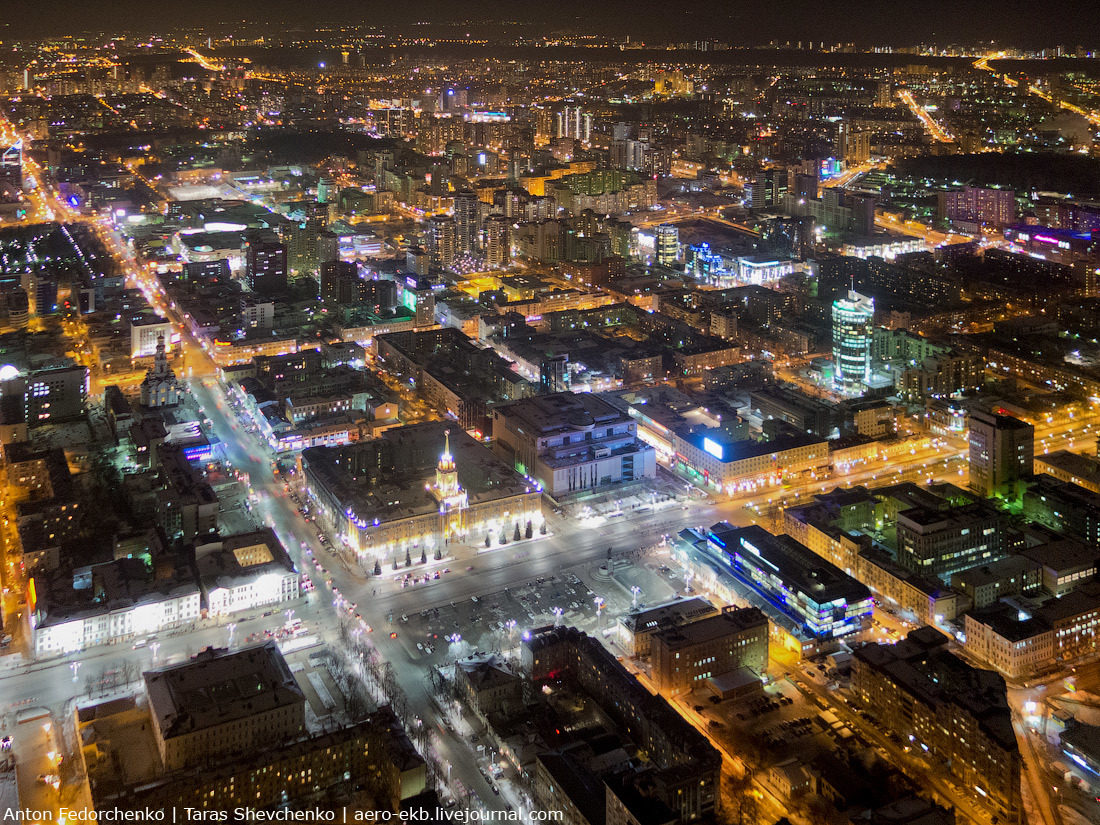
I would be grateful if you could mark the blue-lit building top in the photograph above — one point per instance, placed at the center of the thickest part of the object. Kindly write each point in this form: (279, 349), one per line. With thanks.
(723, 269)
(1046, 241)
(821, 598)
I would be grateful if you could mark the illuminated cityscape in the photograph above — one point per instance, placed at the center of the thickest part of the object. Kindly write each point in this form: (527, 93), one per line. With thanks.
(612, 415)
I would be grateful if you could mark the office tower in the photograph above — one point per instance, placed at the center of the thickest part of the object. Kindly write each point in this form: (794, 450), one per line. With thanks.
(467, 221)
(498, 241)
(265, 266)
(667, 244)
(439, 240)
(1002, 451)
(852, 333)
(768, 188)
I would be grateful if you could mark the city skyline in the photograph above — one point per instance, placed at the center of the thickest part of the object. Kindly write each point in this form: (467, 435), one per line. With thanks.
(600, 418)
(744, 23)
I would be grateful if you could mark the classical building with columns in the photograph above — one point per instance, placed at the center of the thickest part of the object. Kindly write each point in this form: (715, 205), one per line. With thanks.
(415, 490)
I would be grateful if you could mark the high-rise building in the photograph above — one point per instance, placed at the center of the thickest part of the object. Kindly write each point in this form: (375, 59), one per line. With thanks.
(55, 394)
(573, 123)
(852, 146)
(1002, 451)
(265, 266)
(340, 282)
(544, 126)
(863, 215)
(303, 245)
(852, 337)
(979, 205)
(667, 244)
(768, 188)
(628, 154)
(467, 221)
(328, 247)
(497, 241)
(417, 260)
(439, 240)
(11, 168)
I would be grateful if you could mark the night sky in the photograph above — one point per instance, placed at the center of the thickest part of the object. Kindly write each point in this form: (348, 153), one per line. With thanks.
(1028, 24)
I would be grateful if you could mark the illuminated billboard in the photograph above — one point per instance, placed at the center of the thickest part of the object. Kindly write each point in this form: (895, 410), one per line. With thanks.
(714, 448)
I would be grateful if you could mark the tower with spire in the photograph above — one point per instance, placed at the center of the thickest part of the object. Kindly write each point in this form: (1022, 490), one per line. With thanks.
(448, 493)
(160, 388)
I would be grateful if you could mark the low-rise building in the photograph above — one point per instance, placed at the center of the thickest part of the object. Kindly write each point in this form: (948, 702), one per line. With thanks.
(989, 583)
(941, 541)
(920, 691)
(1082, 470)
(111, 602)
(415, 489)
(1015, 647)
(824, 601)
(223, 702)
(684, 658)
(245, 571)
(683, 767)
(570, 442)
(635, 630)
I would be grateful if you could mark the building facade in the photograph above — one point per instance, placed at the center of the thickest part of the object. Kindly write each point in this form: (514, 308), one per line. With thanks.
(684, 658)
(570, 442)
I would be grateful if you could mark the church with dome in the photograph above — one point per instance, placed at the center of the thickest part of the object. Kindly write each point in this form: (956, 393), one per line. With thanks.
(160, 387)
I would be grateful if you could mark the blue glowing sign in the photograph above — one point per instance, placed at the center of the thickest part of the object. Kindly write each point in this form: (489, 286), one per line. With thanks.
(714, 448)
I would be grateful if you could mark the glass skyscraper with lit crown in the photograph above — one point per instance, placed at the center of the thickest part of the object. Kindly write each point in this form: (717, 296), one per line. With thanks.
(852, 330)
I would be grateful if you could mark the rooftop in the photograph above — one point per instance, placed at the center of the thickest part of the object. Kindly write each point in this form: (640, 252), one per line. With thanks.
(414, 451)
(802, 570)
(668, 614)
(561, 412)
(922, 666)
(1085, 468)
(217, 687)
(714, 627)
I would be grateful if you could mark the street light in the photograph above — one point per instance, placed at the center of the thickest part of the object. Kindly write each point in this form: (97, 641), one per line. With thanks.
(557, 611)
(634, 591)
(599, 601)
(230, 627)
(155, 646)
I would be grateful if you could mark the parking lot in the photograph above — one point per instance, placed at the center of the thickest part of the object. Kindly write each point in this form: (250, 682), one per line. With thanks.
(496, 621)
